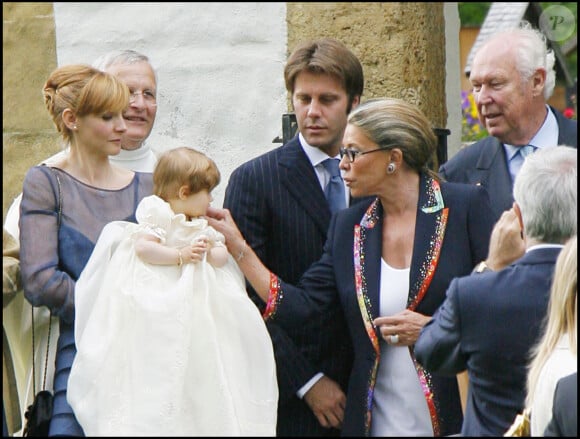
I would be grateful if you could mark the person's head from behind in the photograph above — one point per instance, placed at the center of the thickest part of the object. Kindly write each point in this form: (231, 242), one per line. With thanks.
(545, 193)
(513, 76)
(86, 106)
(561, 318)
(185, 177)
(398, 134)
(325, 81)
(135, 70)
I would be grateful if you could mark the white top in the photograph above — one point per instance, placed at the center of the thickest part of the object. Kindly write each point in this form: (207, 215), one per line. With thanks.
(141, 160)
(559, 364)
(399, 406)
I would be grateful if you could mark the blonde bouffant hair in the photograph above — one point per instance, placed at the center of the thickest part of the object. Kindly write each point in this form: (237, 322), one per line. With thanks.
(184, 166)
(84, 90)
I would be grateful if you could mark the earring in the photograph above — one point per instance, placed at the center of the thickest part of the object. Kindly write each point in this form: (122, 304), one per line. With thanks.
(391, 168)
(74, 127)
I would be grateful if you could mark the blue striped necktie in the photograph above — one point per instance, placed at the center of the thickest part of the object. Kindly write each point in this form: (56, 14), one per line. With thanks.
(334, 190)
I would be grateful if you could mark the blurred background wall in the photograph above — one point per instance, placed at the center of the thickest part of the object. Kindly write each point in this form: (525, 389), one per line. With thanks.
(220, 67)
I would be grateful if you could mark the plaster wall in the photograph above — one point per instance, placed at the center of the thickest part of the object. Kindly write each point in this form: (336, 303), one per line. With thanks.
(219, 68)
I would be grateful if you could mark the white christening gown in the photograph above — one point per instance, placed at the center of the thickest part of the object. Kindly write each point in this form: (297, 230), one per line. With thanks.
(168, 350)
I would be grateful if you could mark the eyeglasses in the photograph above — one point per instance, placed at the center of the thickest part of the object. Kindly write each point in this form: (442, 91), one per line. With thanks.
(148, 96)
(354, 153)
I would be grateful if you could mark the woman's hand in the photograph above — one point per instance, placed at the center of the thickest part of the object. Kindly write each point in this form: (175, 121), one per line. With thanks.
(254, 270)
(401, 329)
(222, 221)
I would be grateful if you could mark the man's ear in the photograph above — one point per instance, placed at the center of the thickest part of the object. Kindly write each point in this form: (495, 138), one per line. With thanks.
(518, 213)
(355, 102)
(539, 81)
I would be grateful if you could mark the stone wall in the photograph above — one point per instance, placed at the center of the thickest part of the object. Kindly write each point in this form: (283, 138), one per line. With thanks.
(401, 46)
(29, 53)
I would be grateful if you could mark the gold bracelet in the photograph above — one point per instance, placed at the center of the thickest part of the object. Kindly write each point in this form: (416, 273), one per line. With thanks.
(180, 262)
(241, 254)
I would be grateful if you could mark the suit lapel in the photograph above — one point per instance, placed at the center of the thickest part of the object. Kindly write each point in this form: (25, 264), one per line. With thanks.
(301, 182)
(567, 130)
(367, 268)
(497, 177)
(429, 233)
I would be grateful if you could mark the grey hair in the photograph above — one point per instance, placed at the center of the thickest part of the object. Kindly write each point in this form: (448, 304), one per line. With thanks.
(532, 53)
(546, 192)
(394, 123)
(125, 56)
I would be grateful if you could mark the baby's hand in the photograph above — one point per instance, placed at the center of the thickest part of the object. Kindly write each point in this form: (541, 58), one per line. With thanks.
(194, 252)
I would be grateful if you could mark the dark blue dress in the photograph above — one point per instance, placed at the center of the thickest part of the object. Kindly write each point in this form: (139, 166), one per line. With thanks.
(52, 256)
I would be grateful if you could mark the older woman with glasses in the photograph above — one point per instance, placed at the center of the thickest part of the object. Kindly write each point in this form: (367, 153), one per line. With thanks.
(388, 265)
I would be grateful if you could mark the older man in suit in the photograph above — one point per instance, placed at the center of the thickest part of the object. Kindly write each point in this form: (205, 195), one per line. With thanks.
(512, 76)
(280, 200)
(489, 321)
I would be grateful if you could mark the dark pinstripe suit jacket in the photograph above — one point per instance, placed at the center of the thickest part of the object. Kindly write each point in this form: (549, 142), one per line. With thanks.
(279, 206)
(484, 163)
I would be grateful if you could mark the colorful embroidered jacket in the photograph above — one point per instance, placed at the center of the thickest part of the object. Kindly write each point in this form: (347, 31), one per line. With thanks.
(453, 226)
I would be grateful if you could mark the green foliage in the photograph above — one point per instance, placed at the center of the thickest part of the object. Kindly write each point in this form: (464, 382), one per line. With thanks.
(472, 14)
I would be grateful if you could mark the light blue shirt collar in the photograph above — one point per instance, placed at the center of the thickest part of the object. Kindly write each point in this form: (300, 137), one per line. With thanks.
(546, 137)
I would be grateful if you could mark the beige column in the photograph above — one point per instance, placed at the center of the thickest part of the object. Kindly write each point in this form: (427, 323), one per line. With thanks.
(401, 46)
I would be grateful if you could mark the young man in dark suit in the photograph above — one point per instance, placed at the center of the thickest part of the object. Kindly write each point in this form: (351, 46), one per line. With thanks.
(278, 201)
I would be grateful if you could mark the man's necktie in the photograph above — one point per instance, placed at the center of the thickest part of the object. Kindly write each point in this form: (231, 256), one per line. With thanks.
(526, 150)
(518, 159)
(335, 188)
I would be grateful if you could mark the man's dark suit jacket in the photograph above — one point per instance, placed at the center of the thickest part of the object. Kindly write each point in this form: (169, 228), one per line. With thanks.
(451, 235)
(484, 163)
(564, 420)
(280, 208)
(487, 325)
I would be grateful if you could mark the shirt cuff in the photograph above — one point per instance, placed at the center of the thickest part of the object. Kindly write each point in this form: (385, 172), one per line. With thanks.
(306, 387)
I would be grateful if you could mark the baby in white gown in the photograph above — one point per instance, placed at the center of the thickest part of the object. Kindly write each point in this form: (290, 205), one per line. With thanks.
(168, 341)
